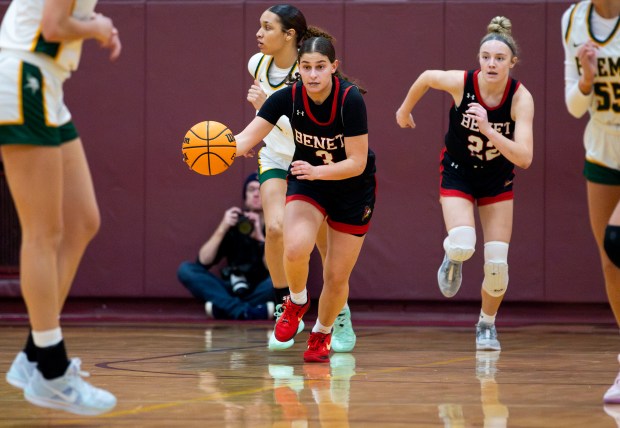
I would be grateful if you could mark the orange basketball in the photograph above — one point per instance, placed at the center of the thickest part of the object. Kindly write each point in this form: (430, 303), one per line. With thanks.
(209, 148)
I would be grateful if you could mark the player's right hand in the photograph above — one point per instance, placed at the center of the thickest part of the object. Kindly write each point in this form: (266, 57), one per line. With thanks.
(256, 95)
(404, 119)
(108, 35)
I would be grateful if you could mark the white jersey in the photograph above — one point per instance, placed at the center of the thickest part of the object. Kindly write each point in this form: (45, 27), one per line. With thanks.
(271, 79)
(21, 33)
(580, 23)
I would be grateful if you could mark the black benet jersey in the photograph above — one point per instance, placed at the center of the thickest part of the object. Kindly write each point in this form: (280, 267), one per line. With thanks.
(319, 130)
(464, 141)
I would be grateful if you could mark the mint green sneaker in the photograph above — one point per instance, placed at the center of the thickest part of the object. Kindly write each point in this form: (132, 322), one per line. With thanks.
(343, 336)
(342, 370)
(275, 344)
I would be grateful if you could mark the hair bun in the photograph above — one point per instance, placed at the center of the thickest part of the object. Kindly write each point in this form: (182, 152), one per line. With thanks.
(500, 24)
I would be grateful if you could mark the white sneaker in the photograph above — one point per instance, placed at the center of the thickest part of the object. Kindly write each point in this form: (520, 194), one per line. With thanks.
(612, 396)
(274, 344)
(20, 371)
(69, 392)
(449, 276)
(486, 337)
(209, 310)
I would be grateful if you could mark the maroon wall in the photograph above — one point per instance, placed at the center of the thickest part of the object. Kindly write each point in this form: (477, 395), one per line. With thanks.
(185, 61)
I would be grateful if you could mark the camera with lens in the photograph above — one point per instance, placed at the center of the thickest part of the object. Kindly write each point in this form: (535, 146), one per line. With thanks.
(245, 226)
(238, 281)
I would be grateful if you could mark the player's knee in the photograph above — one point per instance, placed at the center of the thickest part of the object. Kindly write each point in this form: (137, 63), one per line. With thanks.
(274, 230)
(612, 244)
(460, 243)
(495, 280)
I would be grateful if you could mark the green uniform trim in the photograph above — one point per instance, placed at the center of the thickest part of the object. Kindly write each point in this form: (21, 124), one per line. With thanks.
(601, 174)
(35, 130)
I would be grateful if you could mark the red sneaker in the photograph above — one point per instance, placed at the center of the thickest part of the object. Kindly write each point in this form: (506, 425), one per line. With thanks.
(286, 327)
(319, 345)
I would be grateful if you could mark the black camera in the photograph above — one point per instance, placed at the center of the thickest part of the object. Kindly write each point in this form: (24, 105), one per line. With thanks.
(238, 281)
(245, 226)
(239, 284)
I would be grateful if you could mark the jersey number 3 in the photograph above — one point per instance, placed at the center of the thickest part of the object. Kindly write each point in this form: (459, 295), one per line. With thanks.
(327, 157)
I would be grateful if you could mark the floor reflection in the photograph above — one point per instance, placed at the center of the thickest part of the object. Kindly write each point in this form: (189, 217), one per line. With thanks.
(495, 413)
(329, 385)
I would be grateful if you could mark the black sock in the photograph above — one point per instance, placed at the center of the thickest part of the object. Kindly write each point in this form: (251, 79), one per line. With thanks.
(281, 293)
(52, 360)
(30, 349)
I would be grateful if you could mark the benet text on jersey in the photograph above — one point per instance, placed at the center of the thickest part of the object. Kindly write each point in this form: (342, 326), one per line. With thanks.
(317, 142)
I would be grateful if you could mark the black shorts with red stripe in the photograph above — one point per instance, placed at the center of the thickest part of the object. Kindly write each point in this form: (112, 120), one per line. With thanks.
(485, 184)
(348, 204)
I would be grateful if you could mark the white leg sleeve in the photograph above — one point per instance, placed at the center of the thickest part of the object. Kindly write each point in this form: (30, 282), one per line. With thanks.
(460, 243)
(495, 268)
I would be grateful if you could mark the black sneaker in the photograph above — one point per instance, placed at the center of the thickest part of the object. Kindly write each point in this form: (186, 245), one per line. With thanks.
(260, 312)
(213, 312)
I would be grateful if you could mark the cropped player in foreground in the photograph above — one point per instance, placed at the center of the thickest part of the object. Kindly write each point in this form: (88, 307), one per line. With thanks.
(50, 182)
(490, 132)
(331, 177)
(591, 53)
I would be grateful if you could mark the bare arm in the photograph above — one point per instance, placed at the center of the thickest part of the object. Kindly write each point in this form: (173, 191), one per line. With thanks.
(59, 25)
(355, 163)
(449, 81)
(252, 135)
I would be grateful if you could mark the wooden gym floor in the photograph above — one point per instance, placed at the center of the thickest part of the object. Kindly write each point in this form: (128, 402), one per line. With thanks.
(410, 368)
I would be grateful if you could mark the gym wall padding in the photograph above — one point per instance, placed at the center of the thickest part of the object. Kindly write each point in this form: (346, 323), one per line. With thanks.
(186, 61)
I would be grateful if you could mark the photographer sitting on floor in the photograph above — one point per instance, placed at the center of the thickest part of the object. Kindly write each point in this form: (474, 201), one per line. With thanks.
(244, 290)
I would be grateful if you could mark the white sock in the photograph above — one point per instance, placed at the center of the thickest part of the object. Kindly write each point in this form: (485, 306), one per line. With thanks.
(47, 338)
(320, 328)
(487, 319)
(300, 298)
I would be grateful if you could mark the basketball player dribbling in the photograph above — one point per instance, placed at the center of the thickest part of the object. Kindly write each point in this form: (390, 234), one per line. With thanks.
(331, 178)
(51, 186)
(282, 29)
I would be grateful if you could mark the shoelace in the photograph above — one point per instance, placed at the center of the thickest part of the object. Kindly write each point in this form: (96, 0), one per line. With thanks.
(76, 365)
(341, 319)
(278, 312)
(317, 340)
(289, 313)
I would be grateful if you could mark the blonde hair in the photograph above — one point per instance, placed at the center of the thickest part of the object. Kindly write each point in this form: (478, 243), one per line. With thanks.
(500, 28)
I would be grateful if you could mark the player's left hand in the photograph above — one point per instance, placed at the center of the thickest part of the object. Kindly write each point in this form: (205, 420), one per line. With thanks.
(304, 171)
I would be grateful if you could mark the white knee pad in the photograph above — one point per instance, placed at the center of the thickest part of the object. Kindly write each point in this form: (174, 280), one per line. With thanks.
(460, 243)
(495, 268)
